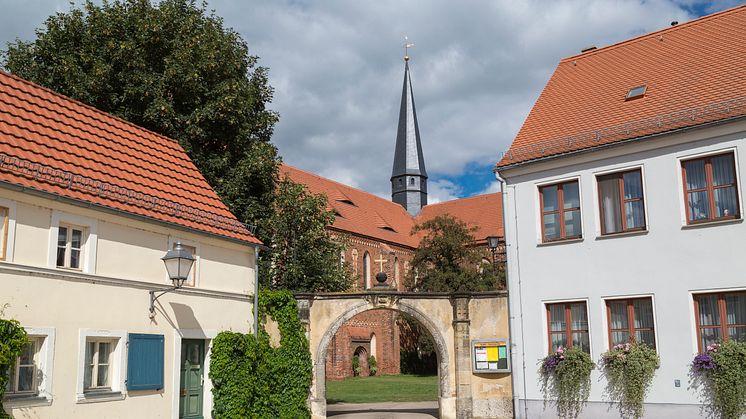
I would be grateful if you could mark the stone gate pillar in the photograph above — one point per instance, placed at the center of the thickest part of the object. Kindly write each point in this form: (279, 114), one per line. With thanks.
(462, 345)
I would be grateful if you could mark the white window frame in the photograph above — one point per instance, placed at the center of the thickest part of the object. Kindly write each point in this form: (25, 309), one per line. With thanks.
(538, 216)
(693, 314)
(596, 197)
(680, 182)
(207, 336)
(45, 359)
(605, 317)
(117, 364)
(172, 240)
(10, 234)
(90, 238)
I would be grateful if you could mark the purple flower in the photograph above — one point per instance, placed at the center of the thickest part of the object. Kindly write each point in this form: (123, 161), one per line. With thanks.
(703, 362)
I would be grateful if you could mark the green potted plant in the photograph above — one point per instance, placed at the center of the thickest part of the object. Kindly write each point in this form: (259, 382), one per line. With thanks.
(720, 376)
(629, 369)
(566, 380)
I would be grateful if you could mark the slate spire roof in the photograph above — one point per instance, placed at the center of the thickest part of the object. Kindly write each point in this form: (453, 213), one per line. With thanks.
(408, 158)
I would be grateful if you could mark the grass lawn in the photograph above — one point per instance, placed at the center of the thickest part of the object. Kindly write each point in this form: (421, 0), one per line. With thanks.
(383, 388)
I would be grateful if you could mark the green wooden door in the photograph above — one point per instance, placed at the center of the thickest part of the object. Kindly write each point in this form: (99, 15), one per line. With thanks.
(192, 372)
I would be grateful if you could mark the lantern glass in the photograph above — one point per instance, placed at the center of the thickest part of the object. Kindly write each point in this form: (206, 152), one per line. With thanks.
(493, 242)
(178, 264)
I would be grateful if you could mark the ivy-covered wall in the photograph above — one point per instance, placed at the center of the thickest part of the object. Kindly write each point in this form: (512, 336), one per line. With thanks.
(12, 340)
(251, 379)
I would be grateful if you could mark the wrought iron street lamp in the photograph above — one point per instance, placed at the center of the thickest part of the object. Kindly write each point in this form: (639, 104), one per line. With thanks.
(178, 263)
(493, 242)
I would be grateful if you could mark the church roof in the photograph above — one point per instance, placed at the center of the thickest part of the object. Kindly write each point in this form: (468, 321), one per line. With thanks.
(359, 212)
(365, 214)
(484, 212)
(687, 75)
(408, 158)
(53, 144)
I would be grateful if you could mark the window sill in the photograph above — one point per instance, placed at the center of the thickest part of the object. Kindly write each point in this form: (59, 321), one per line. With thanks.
(100, 396)
(27, 400)
(622, 234)
(561, 241)
(712, 223)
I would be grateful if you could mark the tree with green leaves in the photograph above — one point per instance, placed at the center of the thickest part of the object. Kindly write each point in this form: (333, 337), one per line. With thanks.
(447, 260)
(303, 254)
(171, 67)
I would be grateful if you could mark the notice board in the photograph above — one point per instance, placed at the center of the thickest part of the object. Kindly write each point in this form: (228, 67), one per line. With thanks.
(490, 356)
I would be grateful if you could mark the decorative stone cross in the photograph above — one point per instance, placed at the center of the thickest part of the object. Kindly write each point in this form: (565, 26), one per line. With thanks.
(380, 261)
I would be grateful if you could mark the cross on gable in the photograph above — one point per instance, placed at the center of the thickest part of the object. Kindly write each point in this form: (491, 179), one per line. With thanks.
(380, 261)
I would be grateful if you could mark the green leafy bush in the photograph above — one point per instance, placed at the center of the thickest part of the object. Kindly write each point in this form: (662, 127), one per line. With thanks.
(251, 379)
(12, 340)
(720, 376)
(629, 369)
(566, 380)
(372, 365)
(356, 369)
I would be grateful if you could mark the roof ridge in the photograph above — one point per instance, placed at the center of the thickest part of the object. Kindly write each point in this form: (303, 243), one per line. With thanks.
(347, 186)
(641, 37)
(462, 199)
(96, 111)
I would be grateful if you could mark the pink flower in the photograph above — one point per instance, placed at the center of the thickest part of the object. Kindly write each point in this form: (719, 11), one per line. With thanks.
(560, 350)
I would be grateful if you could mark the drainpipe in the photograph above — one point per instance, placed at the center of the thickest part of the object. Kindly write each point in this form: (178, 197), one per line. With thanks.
(516, 398)
(256, 291)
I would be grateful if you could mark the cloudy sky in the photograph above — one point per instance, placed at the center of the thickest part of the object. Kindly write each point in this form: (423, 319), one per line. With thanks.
(477, 67)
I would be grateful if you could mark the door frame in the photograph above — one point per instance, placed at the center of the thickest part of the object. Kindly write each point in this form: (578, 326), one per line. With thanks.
(207, 336)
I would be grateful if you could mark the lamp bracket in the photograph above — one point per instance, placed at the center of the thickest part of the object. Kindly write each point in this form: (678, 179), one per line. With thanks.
(154, 298)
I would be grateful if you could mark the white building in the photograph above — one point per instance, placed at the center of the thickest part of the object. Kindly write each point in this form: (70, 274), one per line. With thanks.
(89, 204)
(624, 209)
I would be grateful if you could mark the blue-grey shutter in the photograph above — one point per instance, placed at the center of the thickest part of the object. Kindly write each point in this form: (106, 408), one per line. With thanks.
(145, 362)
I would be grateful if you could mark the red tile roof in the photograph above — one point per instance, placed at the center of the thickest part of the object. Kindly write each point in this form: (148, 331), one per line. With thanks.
(53, 144)
(365, 214)
(484, 212)
(694, 73)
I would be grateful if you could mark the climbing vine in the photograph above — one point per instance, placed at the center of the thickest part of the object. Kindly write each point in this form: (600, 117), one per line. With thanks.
(356, 368)
(566, 380)
(629, 369)
(12, 340)
(720, 376)
(251, 378)
(372, 365)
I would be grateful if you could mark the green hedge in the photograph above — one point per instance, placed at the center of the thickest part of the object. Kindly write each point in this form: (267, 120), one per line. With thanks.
(253, 380)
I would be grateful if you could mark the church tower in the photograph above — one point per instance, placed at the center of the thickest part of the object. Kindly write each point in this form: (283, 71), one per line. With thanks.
(408, 178)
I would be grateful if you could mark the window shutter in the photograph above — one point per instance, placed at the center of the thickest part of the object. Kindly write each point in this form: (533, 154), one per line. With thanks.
(145, 362)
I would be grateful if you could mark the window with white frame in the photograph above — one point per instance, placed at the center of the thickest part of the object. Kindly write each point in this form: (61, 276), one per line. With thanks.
(24, 375)
(70, 241)
(560, 211)
(101, 365)
(98, 357)
(711, 188)
(621, 202)
(631, 319)
(567, 325)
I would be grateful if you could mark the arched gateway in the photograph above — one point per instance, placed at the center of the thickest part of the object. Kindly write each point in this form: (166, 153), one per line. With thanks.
(454, 321)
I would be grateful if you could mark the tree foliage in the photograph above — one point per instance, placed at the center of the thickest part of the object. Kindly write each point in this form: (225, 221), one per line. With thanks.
(447, 261)
(303, 254)
(13, 338)
(173, 68)
(251, 379)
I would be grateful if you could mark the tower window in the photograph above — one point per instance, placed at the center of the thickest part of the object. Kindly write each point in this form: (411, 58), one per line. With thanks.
(401, 181)
(411, 181)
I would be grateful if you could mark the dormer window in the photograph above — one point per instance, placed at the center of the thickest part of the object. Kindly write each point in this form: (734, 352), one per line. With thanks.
(636, 92)
(347, 201)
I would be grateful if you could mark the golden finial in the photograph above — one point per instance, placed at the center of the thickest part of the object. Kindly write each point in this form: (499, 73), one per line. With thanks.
(407, 46)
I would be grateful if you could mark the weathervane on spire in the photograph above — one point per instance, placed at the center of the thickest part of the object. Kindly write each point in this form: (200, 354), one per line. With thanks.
(407, 46)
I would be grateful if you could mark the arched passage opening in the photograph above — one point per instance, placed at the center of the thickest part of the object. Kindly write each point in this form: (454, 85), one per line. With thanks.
(318, 390)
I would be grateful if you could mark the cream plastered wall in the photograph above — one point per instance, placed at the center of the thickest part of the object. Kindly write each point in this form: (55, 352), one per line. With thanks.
(113, 298)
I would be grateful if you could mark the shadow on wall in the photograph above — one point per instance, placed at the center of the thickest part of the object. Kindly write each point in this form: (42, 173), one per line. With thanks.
(184, 316)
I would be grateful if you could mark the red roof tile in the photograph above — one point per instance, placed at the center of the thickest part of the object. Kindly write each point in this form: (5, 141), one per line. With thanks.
(368, 215)
(54, 144)
(484, 212)
(694, 73)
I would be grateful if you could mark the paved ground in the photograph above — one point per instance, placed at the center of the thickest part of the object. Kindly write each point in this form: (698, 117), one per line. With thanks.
(412, 410)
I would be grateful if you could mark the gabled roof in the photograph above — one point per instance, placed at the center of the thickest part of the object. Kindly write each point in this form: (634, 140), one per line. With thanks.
(484, 212)
(693, 74)
(53, 144)
(365, 214)
(360, 212)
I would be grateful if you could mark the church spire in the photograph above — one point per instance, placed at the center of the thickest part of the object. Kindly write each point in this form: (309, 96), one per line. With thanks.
(408, 178)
